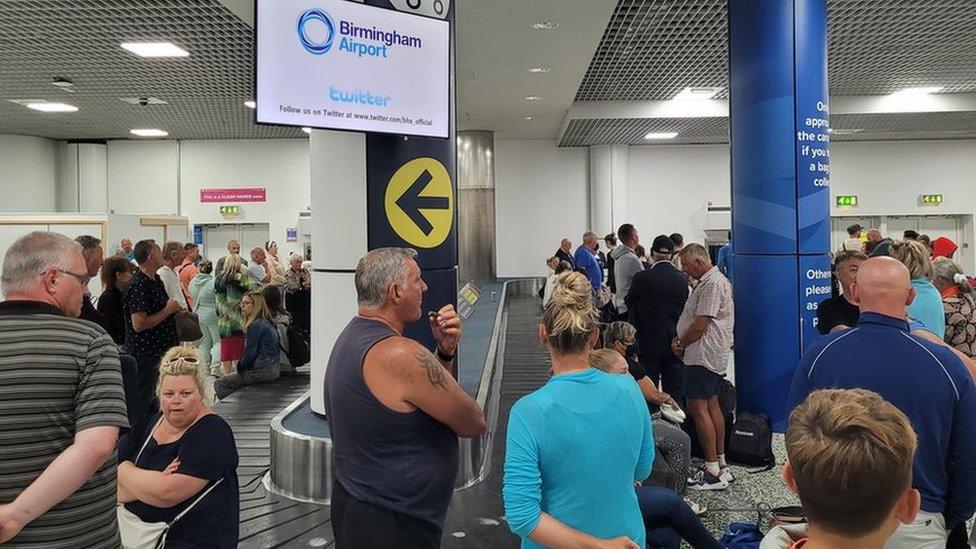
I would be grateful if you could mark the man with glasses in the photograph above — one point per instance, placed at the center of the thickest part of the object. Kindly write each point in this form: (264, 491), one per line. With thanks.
(63, 403)
(150, 329)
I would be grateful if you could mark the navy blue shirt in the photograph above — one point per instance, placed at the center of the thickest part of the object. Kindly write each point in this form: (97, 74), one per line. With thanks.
(924, 380)
(207, 451)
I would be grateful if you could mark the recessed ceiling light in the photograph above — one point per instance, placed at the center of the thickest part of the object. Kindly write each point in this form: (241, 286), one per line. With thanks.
(918, 91)
(540, 69)
(52, 107)
(307, 130)
(661, 135)
(697, 93)
(149, 133)
(155, 49)
(533, 97)
(545, 25)
(527, 118)
(250, 104)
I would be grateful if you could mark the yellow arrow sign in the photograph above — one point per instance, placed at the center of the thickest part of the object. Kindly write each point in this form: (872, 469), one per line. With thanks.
(419, 202)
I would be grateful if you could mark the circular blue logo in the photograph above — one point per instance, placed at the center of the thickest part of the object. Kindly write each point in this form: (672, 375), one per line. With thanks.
(314, 47)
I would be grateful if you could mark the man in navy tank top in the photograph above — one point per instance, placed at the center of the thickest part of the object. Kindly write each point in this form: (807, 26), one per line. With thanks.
(395, 412)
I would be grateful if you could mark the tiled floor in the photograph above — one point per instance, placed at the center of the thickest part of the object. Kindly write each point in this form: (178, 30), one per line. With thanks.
(748, 496)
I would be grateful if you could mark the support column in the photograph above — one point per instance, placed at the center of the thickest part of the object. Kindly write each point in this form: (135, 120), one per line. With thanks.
(476, 205)
(376, 190)
(780, 191)
(337, 175)
(609, 186)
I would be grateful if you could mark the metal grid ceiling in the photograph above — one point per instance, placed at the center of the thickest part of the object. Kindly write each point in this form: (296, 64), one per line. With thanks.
(873, 127)
(652, 49)
(79, 40)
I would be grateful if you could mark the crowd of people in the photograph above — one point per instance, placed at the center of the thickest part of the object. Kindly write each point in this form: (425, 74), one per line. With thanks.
(881, 442)
(109, 435)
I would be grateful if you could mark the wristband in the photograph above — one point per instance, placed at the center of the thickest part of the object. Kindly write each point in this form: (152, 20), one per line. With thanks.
(444, 356)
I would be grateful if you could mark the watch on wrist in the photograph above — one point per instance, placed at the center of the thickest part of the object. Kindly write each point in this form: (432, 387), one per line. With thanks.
(444, 356)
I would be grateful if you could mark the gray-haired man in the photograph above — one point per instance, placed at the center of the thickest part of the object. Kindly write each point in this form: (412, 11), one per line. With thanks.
(395, 411)
(63, 403)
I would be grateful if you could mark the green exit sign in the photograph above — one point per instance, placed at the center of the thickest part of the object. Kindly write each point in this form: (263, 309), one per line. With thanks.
(846, 201)
(932, 199)
(230, 210)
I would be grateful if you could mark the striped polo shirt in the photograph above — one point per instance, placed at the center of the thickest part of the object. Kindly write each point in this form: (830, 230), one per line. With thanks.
(58, 376)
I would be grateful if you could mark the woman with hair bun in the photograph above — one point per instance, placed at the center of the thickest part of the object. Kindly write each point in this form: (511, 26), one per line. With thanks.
(959, 304)
(572, 456)
(178, 468)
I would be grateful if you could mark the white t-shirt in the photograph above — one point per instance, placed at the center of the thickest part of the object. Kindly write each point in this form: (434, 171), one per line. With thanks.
(171, 281)
(852, 245)
(257, 272)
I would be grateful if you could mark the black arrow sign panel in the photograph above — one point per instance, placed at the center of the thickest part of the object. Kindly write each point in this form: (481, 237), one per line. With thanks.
(411, 202)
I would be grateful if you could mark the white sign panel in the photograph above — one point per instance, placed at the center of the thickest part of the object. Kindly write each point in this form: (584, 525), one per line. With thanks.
(342, 65)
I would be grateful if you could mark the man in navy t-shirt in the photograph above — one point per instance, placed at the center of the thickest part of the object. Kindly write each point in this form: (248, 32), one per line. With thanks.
(924, 380)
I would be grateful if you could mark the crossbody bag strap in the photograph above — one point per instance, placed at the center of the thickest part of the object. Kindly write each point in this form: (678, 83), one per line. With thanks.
(161, 542)
(146, 443)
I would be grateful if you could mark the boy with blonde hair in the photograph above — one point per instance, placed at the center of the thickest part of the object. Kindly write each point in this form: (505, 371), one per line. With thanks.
(850, 455)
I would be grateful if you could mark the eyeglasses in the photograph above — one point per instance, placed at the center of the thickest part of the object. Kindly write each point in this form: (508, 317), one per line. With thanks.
(82, 279)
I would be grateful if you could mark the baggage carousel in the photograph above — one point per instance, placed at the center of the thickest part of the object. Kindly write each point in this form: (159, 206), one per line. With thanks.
(285, 449)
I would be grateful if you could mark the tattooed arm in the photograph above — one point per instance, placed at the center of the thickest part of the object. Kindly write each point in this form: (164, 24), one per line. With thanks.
(431, 387)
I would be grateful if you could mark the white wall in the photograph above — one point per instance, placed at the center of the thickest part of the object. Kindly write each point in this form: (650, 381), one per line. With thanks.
(143, 177)
(280, 166)
(671, 186)
(541, 190)
(889, 177)
(540, 197)
(28, 174)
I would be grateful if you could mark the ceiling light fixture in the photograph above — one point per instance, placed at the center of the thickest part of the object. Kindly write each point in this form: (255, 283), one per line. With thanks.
(917, 91)
(52, 107)
(250, 104)
(661, 135)
(527, 118)
(307, 130)
(533, 97)
(697, 93)
(149, 133)
(540, 69)
(155, 49)
(545, 25)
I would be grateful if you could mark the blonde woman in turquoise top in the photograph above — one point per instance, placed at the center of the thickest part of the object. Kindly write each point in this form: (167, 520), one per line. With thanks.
(927, 307)
(576, 446)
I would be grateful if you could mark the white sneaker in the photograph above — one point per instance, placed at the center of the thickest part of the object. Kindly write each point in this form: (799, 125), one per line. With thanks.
(727, 475)
(696, 508)
(703, 481)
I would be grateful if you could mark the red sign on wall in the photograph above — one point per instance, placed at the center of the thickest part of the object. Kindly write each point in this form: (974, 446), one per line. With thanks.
(253, 194)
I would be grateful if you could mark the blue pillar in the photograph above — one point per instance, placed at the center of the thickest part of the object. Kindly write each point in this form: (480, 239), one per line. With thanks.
(780, 191)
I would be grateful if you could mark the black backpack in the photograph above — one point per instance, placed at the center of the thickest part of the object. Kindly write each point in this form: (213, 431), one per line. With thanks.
(751, 441)
(299, 351)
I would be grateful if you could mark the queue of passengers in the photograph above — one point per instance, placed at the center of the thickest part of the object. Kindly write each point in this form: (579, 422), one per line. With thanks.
(873, 464)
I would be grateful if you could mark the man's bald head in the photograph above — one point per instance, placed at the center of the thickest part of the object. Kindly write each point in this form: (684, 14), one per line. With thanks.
(883, 287)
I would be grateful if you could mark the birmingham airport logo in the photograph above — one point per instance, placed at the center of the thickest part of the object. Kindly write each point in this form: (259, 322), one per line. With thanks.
(310, 45)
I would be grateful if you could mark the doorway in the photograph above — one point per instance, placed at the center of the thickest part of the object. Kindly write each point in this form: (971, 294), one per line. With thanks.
(956, 227)
(216, 237)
